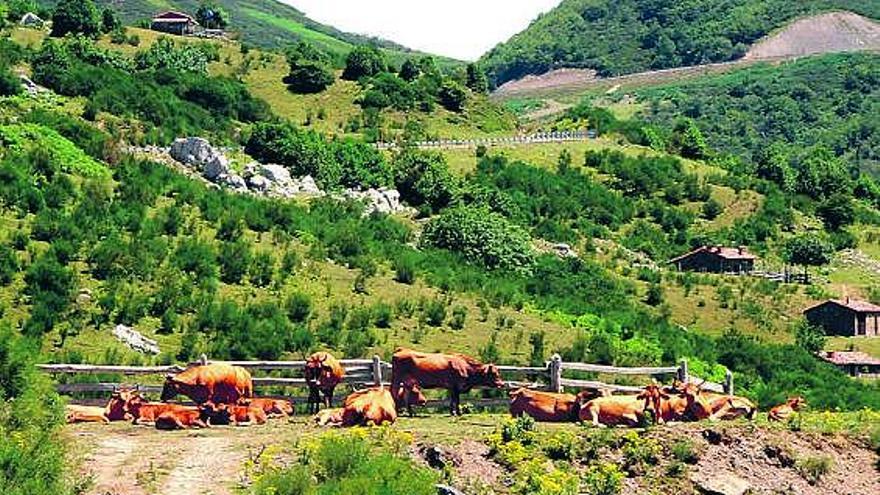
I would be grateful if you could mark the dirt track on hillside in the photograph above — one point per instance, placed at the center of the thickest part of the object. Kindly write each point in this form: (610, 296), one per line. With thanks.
(825, 33)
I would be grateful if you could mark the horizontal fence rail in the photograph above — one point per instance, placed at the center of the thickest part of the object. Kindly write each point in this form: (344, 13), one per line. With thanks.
(368, 372)
(541, 137)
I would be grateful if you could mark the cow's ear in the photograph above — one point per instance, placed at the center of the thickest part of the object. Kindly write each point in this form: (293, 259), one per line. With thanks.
(664, 395)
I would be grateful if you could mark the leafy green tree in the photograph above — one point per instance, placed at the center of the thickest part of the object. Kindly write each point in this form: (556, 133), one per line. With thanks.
(212, 16)
(424, 179)
(76, 17)
(476, 79)
(711, 209)
(482, 237)
(837, 211)
(110, 20)
(452, 96)
(809, 338)
(50, 285)
(364, 61)
(808, 250)
(310, 70)
(410, 70)
(688, 140)
(234, 259)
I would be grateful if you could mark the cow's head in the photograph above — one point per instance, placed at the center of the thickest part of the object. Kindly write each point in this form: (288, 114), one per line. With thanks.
(490, 376)
(653, 396)
(797, 402)
(116, 406)
(217, 414)
(412, 394)
(589, 394)
(317, 371)
(170, 389)
(697, 405)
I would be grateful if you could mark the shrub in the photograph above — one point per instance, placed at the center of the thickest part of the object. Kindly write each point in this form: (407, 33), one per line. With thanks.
(383, 315)
(434, 312)
(310, 70)
(481, 237)
(685, 451)
(62, 154)
(9, 265)
(424, 180)
(234, 259)
(459, 317)
(561, 446)
(299, 307)
(404, 268)
(814, 468)
(639, 453)
(711, 209)
(262, 269)
(452, 96)
(77, 17)
(363, 61)
(603, 478)
(518, 430)
(10, 85)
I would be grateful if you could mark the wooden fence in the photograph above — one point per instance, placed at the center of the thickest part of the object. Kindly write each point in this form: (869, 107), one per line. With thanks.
(541, 137)
(368, 372)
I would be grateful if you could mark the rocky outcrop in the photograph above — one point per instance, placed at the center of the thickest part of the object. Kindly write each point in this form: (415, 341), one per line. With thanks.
(195, 155)
(132, 338)
(720, 484)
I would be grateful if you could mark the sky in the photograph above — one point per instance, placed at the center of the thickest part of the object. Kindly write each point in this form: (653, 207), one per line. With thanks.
(463, 29)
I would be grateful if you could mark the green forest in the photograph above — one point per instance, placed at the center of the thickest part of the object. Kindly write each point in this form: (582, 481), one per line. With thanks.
(630, 36)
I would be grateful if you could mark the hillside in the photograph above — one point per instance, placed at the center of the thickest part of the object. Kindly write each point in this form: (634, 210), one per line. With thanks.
(265, 23)
(630, 36)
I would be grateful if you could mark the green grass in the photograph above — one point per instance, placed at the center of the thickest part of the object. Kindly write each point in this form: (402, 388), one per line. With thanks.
(322, 39)
(870, 345)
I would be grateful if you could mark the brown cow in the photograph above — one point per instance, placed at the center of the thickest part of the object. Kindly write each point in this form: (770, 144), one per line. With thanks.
(217, 382)
(784, 411)
(323, 373)
(455, 372)
(410, 393)
(728, 407)
(272, 407)
(143, 412)
(84, 414)
(329, 417)
(182, 419)
(544, 406)
(371, 407)
(688, 404)
(626, 410)
(240, 415)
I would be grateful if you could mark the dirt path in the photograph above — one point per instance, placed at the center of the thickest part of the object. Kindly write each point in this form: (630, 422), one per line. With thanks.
(201, 462)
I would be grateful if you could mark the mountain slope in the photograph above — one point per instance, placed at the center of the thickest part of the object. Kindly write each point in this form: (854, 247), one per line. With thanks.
(265, 23)
(630, 36)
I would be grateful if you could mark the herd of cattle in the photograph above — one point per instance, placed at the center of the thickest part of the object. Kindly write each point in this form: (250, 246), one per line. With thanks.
(223, 395)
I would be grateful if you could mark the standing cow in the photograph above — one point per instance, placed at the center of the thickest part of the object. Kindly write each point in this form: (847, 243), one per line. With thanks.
(323, 373)
(217, 382)
(455, 372)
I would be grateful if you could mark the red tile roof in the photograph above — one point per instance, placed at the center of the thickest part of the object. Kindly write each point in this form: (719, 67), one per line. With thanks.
(849, 357)
(730, 253)
(856, 305)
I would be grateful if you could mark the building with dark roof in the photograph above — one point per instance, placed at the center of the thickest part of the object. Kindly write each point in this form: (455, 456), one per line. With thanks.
(174, 23)
(716, 259)
(848, 317)
(856, 364)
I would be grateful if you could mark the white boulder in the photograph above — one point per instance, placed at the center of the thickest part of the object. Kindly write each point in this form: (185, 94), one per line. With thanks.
(218, 166)
(193, 151)
(259, 183)
(135, 340)
(276, 174)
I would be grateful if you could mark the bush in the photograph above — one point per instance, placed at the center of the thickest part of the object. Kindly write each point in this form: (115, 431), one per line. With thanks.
(459, 317)
(434, 312)
(603, 478)
(363, 61)
(10, 84)
(9, 265)
(639, 453)
(452, 96)
(481, 237)
(404, 268)
(424, 180)
(685, 451)
(299, 307)
(76, 17)
(310, 70)
(814, 468)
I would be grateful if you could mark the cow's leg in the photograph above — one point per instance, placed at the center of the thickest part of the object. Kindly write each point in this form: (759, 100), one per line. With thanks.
(454, 400)
(314, 400)
(328, 398)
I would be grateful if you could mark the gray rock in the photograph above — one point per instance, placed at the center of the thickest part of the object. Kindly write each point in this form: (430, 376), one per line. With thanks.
(135, 340)
(259, 183)
(276, 173)
(193, 151)
(720, 484)
(377, 200)
(251, 169)
(307, 185)
(233, 181)
(448, 490)
(218, 166)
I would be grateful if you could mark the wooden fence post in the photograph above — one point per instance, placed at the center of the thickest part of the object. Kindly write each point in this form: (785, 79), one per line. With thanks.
(728, 383)
(556, 373)
(203, 359)
(683, 375)
(377, 371)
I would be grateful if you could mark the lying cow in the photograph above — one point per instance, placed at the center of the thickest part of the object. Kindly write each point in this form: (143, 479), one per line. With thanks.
(784, 411)
(549, 407)
(455, 372)
(239, 415)
(217, 382)
(729, 407)
(182, 419)
(688, 404)
(273, 408)
(113, 411)
(370, 407)
(323, 373)
(623, 410)
(85, 414)
(143, 412)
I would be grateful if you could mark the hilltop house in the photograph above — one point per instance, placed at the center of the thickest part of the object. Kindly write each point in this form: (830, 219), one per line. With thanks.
(855, 364)
(716, 259)
(848, 317)
(174, 23)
